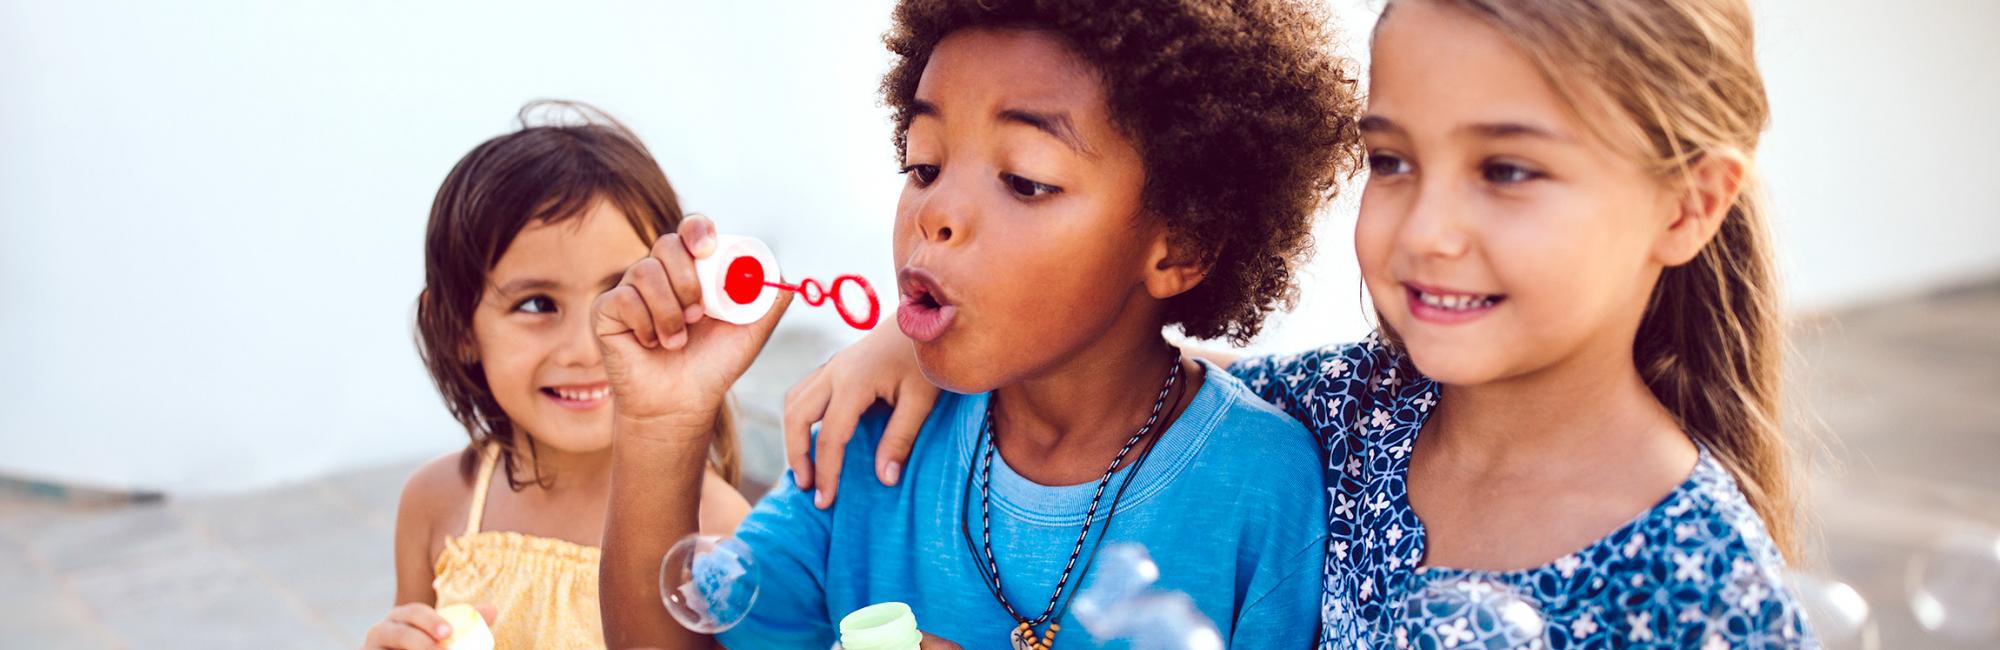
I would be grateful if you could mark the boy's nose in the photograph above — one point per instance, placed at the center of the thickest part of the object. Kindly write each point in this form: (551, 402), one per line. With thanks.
(944, 214)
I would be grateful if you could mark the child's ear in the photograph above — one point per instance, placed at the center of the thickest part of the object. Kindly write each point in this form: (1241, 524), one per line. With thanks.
(1171, 268)
(1703, 197)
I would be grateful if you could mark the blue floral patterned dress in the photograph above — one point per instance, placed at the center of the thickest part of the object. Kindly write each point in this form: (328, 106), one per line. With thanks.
(1697, 570)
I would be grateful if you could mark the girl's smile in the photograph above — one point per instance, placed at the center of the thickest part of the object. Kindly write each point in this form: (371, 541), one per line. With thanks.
(1444, 306)
(579, 397)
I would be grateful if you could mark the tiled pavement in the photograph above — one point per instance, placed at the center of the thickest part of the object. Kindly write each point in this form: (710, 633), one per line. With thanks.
(1906, 396)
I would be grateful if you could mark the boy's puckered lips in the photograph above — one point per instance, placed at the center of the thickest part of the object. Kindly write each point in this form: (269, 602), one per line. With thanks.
(927, 311)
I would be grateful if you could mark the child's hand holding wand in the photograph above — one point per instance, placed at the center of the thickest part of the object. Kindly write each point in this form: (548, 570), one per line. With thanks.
(669, 368)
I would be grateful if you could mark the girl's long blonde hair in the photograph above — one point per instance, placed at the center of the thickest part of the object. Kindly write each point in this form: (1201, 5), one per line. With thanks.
(1683, 75)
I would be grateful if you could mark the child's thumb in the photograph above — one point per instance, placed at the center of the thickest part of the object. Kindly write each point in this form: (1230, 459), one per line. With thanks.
(488, 612)
(698, 235)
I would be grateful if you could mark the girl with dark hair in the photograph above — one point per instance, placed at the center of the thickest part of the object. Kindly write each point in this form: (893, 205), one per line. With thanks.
(526, 231)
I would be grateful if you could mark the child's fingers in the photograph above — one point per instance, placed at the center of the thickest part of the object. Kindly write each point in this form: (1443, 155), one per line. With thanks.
(834, 432)
(663, 309)
(421, 619)
(398, 636)
(698, 234)
(674, 258)
(621, 310)
(488, 612)
(805, 404)
(912, 406)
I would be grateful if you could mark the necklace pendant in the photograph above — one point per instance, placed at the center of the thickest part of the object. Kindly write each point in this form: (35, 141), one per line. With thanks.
(1023, 638)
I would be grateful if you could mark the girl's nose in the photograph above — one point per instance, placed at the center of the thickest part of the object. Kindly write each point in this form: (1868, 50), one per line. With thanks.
(1435, 223)
(578, 344)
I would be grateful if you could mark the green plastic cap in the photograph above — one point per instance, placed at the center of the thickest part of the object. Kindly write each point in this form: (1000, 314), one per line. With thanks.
(881, 626)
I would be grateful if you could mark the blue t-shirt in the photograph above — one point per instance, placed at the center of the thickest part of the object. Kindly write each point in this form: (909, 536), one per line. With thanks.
(1228, 505)
(1697, 570)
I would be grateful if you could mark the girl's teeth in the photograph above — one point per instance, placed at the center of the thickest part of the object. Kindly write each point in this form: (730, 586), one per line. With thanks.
(584, 395)
(1455, 302)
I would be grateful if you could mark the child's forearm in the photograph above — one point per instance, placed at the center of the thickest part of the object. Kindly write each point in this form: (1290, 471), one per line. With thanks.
(657, 471)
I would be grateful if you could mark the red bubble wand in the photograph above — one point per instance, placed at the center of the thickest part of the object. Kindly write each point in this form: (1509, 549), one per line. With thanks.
(745, 279)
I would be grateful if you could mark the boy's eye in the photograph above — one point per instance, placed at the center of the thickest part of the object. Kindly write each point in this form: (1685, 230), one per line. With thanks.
(925, 174)
(536, 305)
(1503, 173)
(1386, 164)
(1028, 189)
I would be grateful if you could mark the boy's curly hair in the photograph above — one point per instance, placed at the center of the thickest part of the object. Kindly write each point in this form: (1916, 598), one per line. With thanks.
(1243, 114)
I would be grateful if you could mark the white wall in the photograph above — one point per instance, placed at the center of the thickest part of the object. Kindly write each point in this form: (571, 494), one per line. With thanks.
(211, 212)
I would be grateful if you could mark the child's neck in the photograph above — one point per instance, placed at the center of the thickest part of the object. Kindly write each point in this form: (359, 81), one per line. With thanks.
(1064, 425)
(1590, 405)
(1512, 474)
(568, 504)
(574, 474)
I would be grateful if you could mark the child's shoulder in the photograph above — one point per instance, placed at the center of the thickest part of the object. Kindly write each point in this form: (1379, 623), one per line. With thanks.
(1332, 367)
(1252, 433)
(1699, 559)
(438, 494)
(1709, 512)
(1328, 387)
(1240, 411)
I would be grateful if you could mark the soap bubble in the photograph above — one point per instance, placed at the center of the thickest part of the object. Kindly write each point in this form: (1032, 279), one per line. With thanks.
(1954, 588)
(708, 582)
(1838, 616)
(1470, 612)
(1121, 603)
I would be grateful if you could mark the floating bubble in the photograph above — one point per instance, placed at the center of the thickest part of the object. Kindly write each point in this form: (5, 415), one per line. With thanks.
(708, 583)
(1838, 616)
(1121, 603)
(1463, 612)
(1954, 587)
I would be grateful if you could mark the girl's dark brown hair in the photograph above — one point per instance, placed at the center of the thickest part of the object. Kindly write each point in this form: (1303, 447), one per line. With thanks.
(548, 173)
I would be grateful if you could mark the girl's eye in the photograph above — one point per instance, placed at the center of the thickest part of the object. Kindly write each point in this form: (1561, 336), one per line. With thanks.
(1028, 189)
(925, 174)
(536, 305)
(1385, 164)
(1501, 173)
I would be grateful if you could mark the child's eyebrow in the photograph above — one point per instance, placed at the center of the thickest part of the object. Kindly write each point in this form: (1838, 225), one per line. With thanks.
(1057, 125)
(1492, 130)
(1497, 130)
(1378, 124)
(525, 285)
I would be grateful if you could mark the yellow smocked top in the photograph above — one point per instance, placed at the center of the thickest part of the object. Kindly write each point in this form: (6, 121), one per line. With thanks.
(545, 589)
